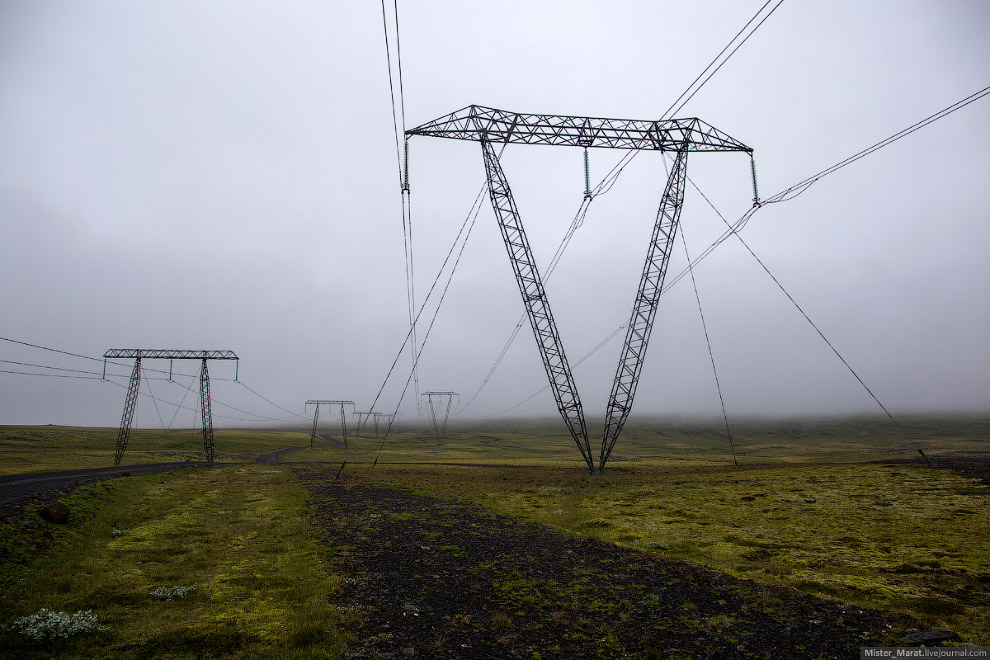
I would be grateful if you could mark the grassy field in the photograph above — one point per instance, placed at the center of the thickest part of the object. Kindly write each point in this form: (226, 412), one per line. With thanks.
(42, 448)
(845, 509)
(239, 534)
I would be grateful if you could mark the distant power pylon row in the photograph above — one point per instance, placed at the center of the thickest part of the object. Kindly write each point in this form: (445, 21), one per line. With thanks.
(436, 401)
(130, 402)
(490, 126)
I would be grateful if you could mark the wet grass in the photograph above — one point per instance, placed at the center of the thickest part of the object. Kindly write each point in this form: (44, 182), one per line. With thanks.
(240, 535)
(45, 448)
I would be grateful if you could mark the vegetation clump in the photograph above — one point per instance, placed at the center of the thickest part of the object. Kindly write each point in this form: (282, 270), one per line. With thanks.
(172, 593)
(46, 624)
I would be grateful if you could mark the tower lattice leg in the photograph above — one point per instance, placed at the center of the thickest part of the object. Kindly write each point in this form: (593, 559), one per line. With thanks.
(130, 403)
(343, 427)
(316, 418)
(645, 308)
(446, 416)
(535, 299)
(433, 416)
(204, 400)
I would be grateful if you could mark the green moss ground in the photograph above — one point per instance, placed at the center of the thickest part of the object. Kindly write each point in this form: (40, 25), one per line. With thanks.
(843, 509)
(898, 538)
(240, 534)
(44, 448)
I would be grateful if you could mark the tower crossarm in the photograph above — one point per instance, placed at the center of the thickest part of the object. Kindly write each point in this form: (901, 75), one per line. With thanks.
(483, 124)
(169, 354)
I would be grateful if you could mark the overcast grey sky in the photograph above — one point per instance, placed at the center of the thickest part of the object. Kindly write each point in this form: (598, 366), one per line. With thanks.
(191, 174)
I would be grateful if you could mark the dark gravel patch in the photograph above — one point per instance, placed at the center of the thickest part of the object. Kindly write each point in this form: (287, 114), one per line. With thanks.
(426, 577)
(970, 464)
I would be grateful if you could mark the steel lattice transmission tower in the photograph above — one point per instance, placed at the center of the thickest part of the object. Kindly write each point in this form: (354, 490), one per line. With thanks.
(440, 397)
(130, 402)
(678, 136)
(373, 415)
(316, 416)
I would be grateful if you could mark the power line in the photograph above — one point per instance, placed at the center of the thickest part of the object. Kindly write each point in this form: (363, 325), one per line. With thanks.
(30, 373)
(681, 106)
(43, 366)
(407, 230)
(793, 191)
(667, 113)
(708, 343)
(787, 194)
(398, 62)
(429, 329)
(605, 185)
(53, 350)
(84, 357)
(391, 91)
(270, 401)
(471, 216)
(95, 376)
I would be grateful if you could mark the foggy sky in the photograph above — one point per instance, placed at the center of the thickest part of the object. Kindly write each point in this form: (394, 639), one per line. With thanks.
(223, 175)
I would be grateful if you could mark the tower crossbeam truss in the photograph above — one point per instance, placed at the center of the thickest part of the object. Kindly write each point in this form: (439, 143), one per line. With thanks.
(168, 354)
(130, 402)
(490, 126)
(482, 124)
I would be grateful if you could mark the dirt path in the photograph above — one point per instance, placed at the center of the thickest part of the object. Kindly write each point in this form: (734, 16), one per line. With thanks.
(434, 578)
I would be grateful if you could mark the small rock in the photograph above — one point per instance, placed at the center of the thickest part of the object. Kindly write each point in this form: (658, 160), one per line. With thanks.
(57, 513)
(409, 651)
(929, 637)
(125, 474)
(30, 524)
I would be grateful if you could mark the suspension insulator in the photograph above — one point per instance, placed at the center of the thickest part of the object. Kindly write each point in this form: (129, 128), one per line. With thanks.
(587, 175)
(756, 192)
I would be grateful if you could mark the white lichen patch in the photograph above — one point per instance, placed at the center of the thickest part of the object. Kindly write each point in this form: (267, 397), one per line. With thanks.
(46, 624)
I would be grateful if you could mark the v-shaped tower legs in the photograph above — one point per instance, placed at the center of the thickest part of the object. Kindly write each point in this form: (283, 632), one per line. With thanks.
(541, 319)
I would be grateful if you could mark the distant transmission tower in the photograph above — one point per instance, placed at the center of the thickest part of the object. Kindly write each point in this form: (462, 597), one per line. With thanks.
(362, 419)
(679, 136)
(316, 417)
(436, 400)
(130, 402)
(372, 415)
(378, 418)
